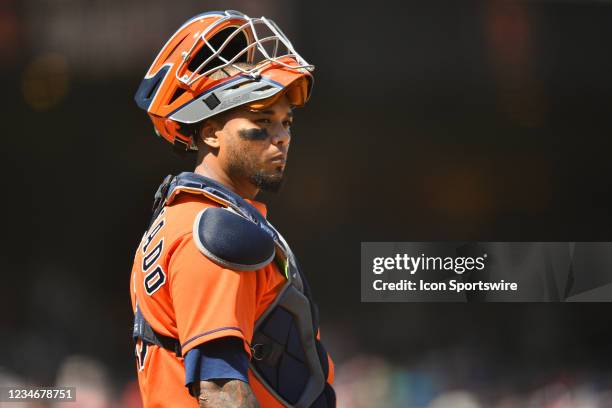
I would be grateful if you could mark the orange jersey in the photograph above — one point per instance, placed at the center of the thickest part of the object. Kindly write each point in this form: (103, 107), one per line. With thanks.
(184, 295)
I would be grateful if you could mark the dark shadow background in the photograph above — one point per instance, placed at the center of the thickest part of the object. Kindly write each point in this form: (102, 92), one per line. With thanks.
(429, 121)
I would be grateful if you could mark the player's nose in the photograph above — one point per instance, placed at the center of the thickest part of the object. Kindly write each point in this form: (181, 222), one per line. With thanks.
(281, 135)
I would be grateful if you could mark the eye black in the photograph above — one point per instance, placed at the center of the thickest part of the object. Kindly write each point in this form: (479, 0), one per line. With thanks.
(253, 134)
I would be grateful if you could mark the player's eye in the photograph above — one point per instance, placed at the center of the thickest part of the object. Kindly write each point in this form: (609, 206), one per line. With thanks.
(263, 121)
(287, 123)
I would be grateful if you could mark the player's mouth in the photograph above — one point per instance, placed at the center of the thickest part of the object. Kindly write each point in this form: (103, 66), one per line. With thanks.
(279, 159)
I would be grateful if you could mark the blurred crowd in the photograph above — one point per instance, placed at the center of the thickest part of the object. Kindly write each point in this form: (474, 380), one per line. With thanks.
(367, 381)
(363, 381)
(92, 379)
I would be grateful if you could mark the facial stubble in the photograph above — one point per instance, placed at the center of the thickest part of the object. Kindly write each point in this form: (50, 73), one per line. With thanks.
(244, 164)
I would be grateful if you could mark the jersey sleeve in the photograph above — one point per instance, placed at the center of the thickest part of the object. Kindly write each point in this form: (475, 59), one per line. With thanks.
(209, 301)
(220, 359)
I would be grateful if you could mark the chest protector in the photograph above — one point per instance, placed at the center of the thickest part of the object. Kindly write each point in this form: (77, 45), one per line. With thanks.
(287, 358)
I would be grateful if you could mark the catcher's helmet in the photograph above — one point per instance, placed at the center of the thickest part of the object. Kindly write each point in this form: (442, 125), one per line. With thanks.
(179, 88)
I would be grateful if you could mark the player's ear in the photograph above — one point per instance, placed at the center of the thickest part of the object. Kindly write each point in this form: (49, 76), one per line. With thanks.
(210, 133)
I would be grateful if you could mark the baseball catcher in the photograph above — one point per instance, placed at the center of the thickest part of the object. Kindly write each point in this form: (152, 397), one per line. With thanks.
(223, 315)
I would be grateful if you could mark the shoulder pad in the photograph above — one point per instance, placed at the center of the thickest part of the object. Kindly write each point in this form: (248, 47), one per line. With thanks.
(232, 241)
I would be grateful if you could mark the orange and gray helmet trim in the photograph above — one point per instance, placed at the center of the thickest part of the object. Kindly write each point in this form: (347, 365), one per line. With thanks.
(180, 89)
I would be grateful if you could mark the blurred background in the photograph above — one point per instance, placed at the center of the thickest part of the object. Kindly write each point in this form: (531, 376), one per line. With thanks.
(437, 120)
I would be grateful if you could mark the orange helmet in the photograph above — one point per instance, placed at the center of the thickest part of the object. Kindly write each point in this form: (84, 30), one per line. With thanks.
(179, 89)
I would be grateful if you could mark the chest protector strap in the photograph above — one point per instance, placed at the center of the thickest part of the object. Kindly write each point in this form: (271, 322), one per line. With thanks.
(287, 358)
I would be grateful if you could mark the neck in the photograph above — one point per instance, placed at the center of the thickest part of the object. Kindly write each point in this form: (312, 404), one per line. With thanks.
(212, 170)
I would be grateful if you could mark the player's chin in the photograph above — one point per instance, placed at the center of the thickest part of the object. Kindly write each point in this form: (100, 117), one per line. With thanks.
(274, 171)
(270, 181)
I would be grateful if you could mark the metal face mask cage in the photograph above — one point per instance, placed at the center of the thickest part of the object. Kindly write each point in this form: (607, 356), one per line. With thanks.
(267, 44)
